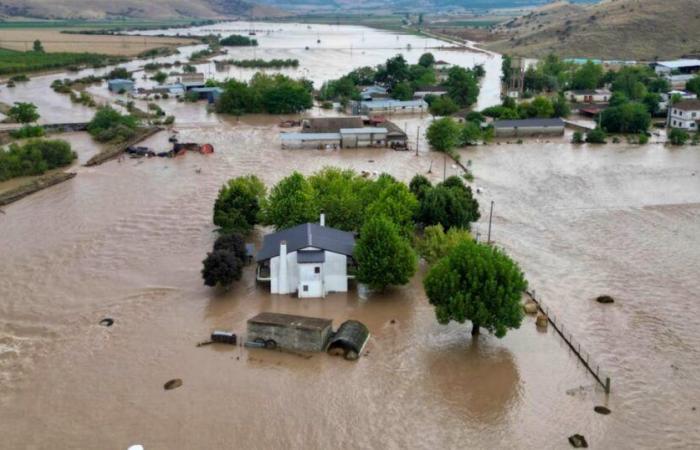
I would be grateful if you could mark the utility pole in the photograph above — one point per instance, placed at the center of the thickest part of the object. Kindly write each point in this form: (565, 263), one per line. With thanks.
(488, 241)
(417, 139)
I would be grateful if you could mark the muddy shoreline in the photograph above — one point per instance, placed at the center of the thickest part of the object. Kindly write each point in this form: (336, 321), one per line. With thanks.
(36, 185)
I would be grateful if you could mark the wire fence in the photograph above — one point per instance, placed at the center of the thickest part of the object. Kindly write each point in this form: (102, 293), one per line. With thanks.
(584, 356)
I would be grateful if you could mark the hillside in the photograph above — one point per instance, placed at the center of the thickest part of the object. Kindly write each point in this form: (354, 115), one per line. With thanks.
(611, 29)
(138, 9)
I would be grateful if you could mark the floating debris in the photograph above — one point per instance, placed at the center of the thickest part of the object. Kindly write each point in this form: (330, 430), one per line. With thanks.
(107, 322)
(578, 441)
(172, 384)
(542, 320)
(602, 410)
(605, 299)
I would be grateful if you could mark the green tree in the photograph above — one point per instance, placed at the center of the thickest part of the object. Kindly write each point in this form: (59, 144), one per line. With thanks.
(471, 133)
(577, 138)
(462, 86)
(693, 85)
(118, 73)
(396, 203)
(540, 107)
(109, 125)
(426, 60)
(419, 185)
(384, 257)
(38, 47)
(291, 202)
(588, 76)
(444, 134)
(450, 204)
(402, 91)
(23, 112)
(478, 283)
(221, 267)
(561, 106)
(443, 106)
(629, 117)
(338, 194)
(160, 77)
(435, 243)
(506, 69)
(651, 101)
(237, 206)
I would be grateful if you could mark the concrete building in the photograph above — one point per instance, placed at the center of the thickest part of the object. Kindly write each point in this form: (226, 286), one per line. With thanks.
(274, 330)
(529, 127)
(589, 96)
(330, 124)
(345, 132)
(309, 259)
(423, 91)
(310, 140)
(389, 107)
(363, 137)
(678, 71)
(120, 85)
(665, 97)
(685, 115)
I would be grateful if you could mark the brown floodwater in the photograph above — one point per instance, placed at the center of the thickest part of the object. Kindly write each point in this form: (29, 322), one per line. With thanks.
(125, 240)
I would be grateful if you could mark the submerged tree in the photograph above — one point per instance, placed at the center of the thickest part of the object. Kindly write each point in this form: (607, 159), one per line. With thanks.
(238, 205)
(291, 202)
(221, 267)
(478, 283)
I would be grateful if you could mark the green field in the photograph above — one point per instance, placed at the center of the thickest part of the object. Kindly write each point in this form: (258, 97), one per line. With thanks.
(12, 61)
(101, 24)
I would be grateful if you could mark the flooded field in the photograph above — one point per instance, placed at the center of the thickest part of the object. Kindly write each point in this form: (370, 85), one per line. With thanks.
(125, 240)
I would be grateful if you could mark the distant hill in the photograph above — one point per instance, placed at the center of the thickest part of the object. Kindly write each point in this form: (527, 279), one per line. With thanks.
(425, 6)
(611, 29)
(140, 9)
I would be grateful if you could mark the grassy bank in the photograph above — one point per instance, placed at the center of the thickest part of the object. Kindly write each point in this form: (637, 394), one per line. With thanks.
(12, 61)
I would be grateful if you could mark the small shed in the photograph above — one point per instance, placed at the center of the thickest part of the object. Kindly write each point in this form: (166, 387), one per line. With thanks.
(529, 127)
(211, 94)
(120, 85)
(307, 334)
(349, 340)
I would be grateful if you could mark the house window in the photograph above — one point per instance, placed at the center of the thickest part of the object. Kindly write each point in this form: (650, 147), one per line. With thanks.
(317, 269)
(306, 288)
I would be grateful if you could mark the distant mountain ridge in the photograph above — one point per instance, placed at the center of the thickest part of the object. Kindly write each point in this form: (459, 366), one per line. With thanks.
(138, 9)
(611, 29)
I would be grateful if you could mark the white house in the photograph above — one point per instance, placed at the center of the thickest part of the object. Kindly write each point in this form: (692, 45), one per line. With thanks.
(665, 97)
(685, 114)
(309, 259)
(589, 96)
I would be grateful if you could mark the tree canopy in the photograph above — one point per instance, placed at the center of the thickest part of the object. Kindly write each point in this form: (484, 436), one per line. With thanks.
(450, 204)
(444, 134)
(477, 283)
(23, 112)
(291, 202)
(384, 257)
(435, 243)
(237, 206)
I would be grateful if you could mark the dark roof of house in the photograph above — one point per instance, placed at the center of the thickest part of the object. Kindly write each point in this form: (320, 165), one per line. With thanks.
(307, 235)
(289, 320)
(331, 124)
(311, 256)
(525, 123)
(688, 105)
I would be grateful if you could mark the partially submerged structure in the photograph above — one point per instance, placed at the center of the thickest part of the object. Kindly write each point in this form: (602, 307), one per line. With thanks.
(685, 115)
(286, 331)
(589, 96)
(349, 340)
(344, 132)
(119, 85)
(389, 106)
(309, 259)
(678, 71)
(529, 127)
(423, 91)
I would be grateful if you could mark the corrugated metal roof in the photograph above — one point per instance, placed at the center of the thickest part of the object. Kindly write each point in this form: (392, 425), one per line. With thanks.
(364, 130)
(307, 235)
(120, 81)
(310, 136)
(311, 256)
(394, 103)
(525, 123)
(679, 63)
(208, 89)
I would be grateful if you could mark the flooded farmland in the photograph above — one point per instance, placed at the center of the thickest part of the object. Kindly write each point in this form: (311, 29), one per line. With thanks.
(125, 240)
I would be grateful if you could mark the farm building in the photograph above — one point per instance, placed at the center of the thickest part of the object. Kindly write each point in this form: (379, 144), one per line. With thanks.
(371, 92)
(389, 107)
(679, 71)
(273, 330)
(120, 85)
(310, 140)
(363, 137)
(330, 124)
(344, 132)
(683, 95)
(309, 259)
(423, 91)
(528, 127)
(589, 96)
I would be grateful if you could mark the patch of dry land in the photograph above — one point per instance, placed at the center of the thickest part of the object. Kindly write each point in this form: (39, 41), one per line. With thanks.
(54, 40)
(611, 29)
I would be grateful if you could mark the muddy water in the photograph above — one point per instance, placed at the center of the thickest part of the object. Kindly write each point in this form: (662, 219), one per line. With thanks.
(125, 240)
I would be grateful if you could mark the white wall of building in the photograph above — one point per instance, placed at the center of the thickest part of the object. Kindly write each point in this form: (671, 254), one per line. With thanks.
(333, 274)
(686, 120)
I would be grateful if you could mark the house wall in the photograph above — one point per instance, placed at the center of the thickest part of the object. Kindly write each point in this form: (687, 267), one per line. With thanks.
(291, 338)
(333, 271)
(311, 144)
(529, 131)
(686, 120)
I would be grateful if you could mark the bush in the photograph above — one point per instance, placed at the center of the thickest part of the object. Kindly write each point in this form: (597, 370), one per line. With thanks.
(118, 73)
(109, 125)
(643, 139)
(444, 134)
(221, 267)
(678, 137)
(596, 136)
(577, 138)
(443, 106)
(236, 40)
(28, 131)
(34, 158)
(436, 243)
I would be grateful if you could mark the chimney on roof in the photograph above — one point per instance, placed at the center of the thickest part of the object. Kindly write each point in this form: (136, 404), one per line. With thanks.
(322, 220)
(282, 284)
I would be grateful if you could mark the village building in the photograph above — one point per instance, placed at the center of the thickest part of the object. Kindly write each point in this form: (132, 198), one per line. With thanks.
(330, 124)
(685, 115)
(119, 85)
(422, 91)
(528, 127)
(345, 132)
(370, 93)
(589, 96)
(211, 94)
(310, 259)
(666, 97)
(389, 107)
(678, 71)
